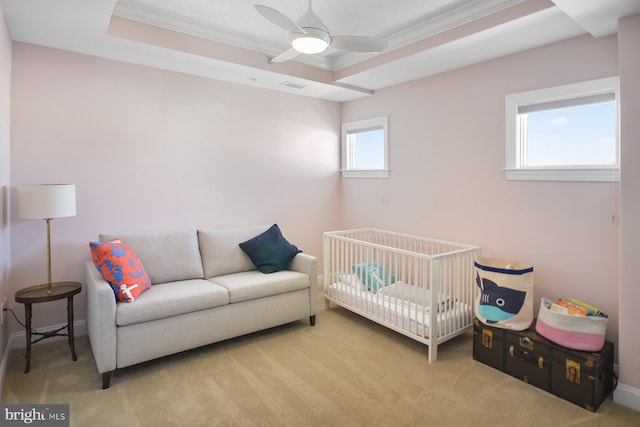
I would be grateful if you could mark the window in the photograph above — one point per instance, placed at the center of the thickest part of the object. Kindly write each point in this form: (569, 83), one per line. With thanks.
(565, 133)
(365, 152)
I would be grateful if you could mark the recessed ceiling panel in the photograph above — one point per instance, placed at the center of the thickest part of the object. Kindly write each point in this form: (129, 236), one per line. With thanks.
(236, 22)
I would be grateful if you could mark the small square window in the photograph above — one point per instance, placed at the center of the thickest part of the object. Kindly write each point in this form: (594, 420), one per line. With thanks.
(365, 148)
(565, 133)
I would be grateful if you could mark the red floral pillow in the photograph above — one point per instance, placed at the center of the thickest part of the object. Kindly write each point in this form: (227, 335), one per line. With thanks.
(121, 268)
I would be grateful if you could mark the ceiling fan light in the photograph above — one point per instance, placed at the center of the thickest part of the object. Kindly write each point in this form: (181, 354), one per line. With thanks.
(309, 45)
(315, 41)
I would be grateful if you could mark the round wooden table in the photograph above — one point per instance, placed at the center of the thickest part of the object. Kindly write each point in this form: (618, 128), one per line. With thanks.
(39, 294)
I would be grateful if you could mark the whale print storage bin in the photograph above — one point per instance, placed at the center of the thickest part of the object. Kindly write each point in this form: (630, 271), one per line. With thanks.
(505, 299)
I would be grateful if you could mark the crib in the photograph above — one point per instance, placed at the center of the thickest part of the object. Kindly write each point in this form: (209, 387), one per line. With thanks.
(422, 288)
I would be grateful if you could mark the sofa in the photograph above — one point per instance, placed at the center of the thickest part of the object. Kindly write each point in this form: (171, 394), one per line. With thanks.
(203, 289)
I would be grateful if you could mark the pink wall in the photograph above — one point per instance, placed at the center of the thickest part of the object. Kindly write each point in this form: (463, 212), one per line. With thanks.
(447, 155)
(447, 142)
(155, 150)
(629, 346)
(5, 116)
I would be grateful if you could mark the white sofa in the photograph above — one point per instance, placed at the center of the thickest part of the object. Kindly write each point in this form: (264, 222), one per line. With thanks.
(204, 289)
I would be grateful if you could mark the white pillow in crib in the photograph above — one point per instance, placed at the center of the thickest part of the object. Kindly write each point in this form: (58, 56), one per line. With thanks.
(352, 280)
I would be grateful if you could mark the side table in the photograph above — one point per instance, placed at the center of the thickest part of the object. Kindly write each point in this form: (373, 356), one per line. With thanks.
(38, 294)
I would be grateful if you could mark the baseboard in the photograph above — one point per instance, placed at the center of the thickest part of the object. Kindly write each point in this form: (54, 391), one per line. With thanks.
(17, 340)
(4, 367)
(627, 396)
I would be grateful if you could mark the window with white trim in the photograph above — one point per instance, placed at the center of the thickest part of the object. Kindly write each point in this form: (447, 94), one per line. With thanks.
(365, 148)
(564, 133)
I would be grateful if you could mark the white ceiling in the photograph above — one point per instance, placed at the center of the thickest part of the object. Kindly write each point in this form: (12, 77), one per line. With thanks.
(238, 23)
(230, 40)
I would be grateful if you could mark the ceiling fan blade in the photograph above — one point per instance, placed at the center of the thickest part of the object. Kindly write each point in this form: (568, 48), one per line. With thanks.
(278, 18)
(284, 56)
(359, 44)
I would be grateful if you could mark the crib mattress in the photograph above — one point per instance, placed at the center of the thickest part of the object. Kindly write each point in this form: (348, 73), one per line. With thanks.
(405, 307)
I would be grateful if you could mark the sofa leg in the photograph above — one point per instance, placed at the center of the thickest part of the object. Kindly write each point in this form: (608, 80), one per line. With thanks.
(106, 380)
(312, 320)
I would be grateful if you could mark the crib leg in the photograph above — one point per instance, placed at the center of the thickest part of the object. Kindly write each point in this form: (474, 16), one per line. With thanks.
(327, 304)
(433, 353)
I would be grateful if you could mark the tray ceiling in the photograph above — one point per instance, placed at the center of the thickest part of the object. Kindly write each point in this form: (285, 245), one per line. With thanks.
(230, 40)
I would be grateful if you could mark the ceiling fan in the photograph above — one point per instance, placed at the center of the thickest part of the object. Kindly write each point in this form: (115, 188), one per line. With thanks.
(309, 35)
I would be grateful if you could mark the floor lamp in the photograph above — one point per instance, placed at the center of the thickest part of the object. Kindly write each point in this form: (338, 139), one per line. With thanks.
(46, 201)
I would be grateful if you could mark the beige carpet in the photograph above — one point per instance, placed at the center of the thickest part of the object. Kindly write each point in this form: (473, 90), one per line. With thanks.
(345, 371)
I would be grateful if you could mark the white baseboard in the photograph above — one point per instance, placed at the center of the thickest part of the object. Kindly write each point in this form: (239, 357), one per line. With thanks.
(4, 366)
(17, 340)
(627, 396)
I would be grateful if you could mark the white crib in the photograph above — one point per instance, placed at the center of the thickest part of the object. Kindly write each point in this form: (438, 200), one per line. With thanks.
(422, 288)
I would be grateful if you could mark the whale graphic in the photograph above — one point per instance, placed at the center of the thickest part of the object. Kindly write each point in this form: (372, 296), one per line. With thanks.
(498, 303)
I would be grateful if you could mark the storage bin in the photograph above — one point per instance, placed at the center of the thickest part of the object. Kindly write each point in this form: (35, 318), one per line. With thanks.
(585, 333)
(505, 299)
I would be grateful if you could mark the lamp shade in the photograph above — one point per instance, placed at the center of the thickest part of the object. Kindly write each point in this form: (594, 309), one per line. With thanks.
(42, 201)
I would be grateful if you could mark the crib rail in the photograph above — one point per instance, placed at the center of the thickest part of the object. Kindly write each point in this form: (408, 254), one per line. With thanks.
(423, 288)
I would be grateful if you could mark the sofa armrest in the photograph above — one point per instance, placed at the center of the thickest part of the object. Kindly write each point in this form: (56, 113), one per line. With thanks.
(308, 264)
(101, 319)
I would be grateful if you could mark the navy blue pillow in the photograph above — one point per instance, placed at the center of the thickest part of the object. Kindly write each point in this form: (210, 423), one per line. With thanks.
(270, 251)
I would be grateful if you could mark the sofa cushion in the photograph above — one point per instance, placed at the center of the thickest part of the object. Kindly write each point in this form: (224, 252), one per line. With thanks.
(121, 268)
(167, 256)
(172, 299)
(250, 285)
(221, 253)
(270, 251)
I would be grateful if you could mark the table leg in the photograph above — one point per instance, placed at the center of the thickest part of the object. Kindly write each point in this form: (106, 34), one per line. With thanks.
(70, 327)
(27, 318)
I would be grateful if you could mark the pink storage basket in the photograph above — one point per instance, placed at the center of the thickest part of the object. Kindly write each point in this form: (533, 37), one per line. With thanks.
(584, 333)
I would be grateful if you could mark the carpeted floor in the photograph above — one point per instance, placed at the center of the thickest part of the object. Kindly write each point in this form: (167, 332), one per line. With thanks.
(345, 371)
